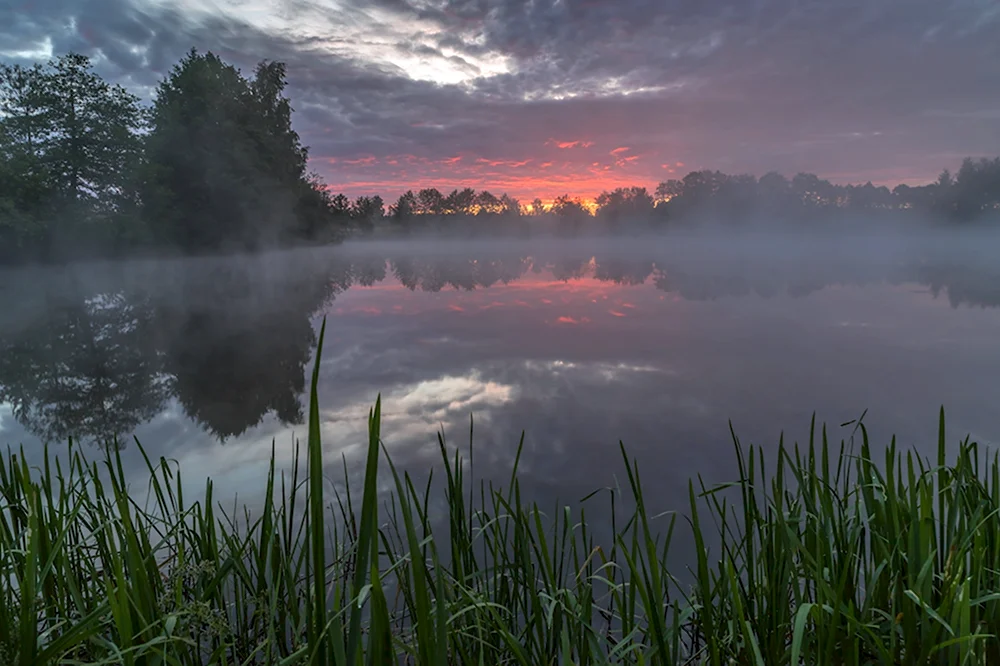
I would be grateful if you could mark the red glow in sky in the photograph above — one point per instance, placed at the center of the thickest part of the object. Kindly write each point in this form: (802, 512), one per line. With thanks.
(488, 95)
(580, 168)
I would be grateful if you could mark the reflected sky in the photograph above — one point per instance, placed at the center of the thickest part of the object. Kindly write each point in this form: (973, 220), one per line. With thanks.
(659, 351)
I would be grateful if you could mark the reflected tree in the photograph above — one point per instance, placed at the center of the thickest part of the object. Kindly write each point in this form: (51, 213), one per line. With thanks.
(88, 370)
(368, 271)
(229, 375)
(568, 267)
(624, 270)
(235, 364)
(232, 340)
(463, 273)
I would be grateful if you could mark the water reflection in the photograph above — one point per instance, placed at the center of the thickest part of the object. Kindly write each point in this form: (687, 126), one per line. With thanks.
(96, 352)
(234, 354)
(93, 359)
(89, 369)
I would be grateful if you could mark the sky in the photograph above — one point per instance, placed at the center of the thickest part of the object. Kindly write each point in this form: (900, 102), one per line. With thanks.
(546, 97)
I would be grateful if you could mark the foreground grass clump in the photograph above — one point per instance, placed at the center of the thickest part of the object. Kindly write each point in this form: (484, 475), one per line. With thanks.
(825, 557)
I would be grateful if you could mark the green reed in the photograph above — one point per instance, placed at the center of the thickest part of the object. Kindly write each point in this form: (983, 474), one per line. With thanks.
(824, 556)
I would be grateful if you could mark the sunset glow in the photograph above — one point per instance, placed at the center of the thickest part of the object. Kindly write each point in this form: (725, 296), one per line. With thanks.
(549, 98)
(545, 177)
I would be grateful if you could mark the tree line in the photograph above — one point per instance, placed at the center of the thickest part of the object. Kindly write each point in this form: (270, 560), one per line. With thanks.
(213, 163)
(710, 196)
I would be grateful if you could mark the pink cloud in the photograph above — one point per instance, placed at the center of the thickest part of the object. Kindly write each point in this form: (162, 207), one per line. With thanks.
(565, 145)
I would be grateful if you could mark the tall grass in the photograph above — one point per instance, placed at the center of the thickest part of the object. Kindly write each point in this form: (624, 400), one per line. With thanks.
(824, 556)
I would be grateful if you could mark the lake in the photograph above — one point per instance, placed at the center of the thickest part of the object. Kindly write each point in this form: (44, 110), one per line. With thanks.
(655, 342)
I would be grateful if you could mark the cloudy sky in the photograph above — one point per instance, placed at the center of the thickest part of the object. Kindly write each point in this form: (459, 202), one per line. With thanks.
(544, 97)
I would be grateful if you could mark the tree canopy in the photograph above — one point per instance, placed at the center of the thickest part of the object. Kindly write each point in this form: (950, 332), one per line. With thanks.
(212, 164)
(225, 168)
(70, 146)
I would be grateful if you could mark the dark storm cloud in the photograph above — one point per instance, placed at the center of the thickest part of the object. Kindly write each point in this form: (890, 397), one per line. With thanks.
(881, 89)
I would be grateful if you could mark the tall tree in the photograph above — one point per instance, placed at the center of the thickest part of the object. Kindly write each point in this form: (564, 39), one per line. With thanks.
(70, 142)
(812, 191)
(571, 214)
(404, 208)
(225, 166)
(431, 201)
(321, 216)
(624, 204)
(976, 188)
(509, 206)
(93, 141)
(341, 205)
(367, 211)
(460, 202)
(487, 203)
(774, 193)
(667, 190)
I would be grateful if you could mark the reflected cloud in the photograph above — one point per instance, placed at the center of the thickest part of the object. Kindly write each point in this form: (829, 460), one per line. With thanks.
(578, 346)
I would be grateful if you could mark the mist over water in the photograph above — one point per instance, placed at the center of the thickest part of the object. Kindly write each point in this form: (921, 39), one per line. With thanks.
(657, 341)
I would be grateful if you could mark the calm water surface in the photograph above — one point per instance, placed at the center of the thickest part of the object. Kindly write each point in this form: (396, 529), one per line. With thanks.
(577, 344)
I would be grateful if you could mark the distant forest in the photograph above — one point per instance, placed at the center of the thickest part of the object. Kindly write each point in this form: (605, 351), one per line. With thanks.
(212, 164)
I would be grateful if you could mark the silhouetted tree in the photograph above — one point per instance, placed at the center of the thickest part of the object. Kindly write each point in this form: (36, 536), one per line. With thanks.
(431, 201)
(487, 204)
(570, 214)
(320, 215)
(866, 197)
(225, 167)
(509, 206)
(366, 212)
(404, 208)
(624, 204)
(667, 190)
(460, 202)
(813, 192)
(340, 205)
(774, 194)
(976, 188)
